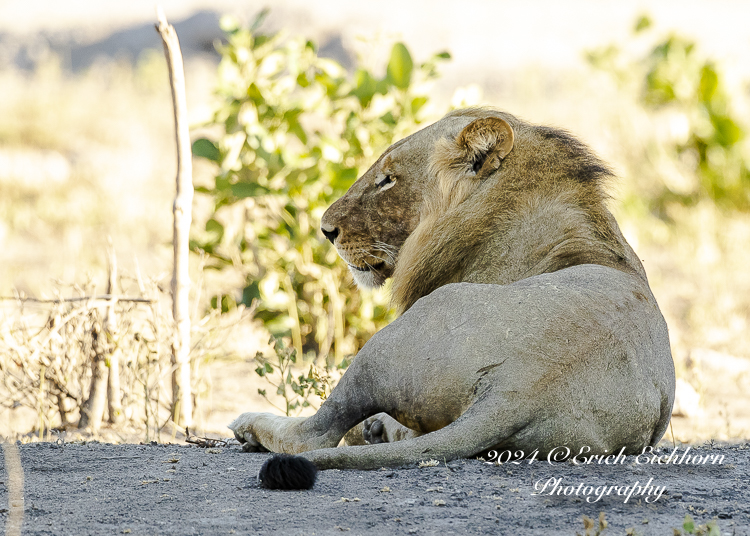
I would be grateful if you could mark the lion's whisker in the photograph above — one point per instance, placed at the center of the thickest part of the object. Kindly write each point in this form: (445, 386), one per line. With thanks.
(390, 251)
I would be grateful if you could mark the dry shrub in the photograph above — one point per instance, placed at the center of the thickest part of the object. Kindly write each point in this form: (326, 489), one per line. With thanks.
(49, 350)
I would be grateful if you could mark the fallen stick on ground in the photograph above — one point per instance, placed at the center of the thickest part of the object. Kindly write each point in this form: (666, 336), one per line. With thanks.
(204, 442)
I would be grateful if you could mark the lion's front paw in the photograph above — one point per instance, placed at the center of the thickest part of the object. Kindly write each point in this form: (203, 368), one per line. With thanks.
(243, 432)
(373, 431)
(254, 446)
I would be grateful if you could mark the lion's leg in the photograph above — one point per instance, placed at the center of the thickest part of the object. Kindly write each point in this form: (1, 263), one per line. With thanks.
(480, 428)
(417, 369)
(291, 435)
(356, 397)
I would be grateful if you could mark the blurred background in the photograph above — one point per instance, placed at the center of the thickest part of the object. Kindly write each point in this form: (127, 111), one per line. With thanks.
(287, 108)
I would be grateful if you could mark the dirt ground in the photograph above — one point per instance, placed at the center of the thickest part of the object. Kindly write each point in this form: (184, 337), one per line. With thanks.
(95, 488)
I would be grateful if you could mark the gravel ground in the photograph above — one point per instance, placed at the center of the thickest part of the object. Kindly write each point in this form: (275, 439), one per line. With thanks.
(97, 488)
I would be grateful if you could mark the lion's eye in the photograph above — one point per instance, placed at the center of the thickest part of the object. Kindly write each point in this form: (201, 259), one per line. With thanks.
(386, 181)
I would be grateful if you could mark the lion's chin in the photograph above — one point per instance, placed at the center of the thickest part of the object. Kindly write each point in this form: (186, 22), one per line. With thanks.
(367, 278)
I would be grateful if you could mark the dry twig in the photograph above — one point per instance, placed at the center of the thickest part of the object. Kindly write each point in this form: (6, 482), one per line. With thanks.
(204, 442)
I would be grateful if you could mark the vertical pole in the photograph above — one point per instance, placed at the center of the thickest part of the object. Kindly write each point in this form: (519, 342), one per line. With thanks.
(182, 401)
(114, 395)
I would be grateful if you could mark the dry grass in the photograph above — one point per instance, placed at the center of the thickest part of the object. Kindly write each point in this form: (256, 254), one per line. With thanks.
(49, 348)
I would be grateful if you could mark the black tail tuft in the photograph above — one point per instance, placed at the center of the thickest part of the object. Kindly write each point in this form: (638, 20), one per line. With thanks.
(283, 471)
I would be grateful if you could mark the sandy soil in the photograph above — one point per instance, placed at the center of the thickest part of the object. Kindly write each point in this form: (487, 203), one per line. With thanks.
(97, 488)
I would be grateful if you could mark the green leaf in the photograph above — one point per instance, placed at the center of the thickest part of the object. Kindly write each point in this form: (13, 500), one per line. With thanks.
(400, 66)
(205, 148)
(269, 367)
(417, 103)
(708, 84)
(262, 392)
(688, 525)
(643, 23)
(249, 293)
(259, 18)
(295, 127)
(215, 231)
(388, 119)
(242, 190)
(254, 94)
(260, 40)
(445, 55)
(728, 132)
(381, 87)
(302, 80)
(222, 182)
(365, 87)
(224, 302)
(260, 371)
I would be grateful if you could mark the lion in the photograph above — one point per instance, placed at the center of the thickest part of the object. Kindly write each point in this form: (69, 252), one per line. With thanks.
(526, 319)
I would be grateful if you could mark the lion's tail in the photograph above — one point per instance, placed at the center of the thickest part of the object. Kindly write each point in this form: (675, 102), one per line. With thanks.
(283, 471)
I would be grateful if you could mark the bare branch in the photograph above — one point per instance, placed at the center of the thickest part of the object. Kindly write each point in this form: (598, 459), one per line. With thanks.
(182, 211)
(95, 300)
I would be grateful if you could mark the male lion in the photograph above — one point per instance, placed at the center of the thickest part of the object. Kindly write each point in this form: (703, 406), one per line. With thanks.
(527, 320)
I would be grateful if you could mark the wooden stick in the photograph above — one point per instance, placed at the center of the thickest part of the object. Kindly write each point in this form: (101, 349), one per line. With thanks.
(100, 298)
(92, 410)
(182, 400)
(114, 401)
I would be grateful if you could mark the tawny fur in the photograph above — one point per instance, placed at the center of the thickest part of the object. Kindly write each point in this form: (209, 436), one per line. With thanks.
(549, 184)
(565, 346)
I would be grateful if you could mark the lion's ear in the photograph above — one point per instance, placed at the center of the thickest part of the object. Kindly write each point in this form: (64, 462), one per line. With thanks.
(486, 142)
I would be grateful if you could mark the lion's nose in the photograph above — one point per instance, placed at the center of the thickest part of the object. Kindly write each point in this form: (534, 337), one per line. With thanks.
(329, 232)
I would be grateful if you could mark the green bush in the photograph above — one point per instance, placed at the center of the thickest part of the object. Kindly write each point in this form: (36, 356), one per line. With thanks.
(674, 75)
(295, 131)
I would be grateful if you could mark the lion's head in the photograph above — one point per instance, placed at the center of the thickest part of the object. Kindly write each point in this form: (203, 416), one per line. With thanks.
(479, 196)
(370, 223)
